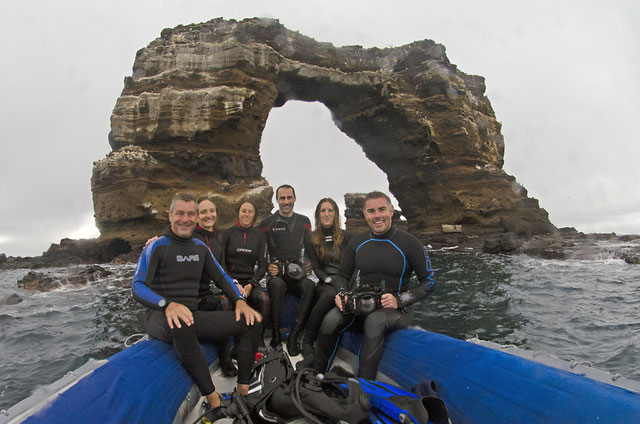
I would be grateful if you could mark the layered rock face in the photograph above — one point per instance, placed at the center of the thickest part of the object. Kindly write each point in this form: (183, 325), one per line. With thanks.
(191, 117)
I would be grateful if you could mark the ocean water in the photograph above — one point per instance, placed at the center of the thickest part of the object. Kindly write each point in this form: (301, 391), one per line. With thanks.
(584, 310)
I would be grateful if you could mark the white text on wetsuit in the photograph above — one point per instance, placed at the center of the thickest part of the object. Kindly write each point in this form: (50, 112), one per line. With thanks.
(190, 258)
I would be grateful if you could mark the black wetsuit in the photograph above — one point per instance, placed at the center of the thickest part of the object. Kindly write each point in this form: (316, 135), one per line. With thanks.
(170, 270)
(206, 297)
(325, 269)
(286, 238)
(386, 261)
(245, 253)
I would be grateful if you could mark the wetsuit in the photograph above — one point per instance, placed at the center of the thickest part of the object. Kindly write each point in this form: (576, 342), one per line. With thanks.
(205, 295)
(244, 248)
(325, 269)
(170, 270)
(386, 261)
(286, 240)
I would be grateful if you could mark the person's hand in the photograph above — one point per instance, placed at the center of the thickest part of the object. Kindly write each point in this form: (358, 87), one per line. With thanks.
(177, 312)
(246, 290)
(151, 240)
(389, 301)
(250, 315)
(273, 269)
(338, 301)
(307, 266)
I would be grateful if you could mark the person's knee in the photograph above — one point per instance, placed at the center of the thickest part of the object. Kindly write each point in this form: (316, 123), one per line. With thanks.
(375, 325)
(276, 285)
(331, 322)
(250, 328)
(307, 286)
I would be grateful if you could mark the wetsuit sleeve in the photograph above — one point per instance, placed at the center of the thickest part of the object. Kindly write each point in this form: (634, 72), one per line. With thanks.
(421, 264)
(224, 244)
(145, 271)
(343, 278)
(263, 263)
(220, 278)
(312, 255)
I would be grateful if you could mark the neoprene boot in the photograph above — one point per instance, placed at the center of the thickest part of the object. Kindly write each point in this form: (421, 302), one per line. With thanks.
(308, 338)
(226, 362)
(276, 337)
(293, 347)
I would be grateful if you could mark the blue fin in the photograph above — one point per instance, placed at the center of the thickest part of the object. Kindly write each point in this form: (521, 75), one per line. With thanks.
(392, 404)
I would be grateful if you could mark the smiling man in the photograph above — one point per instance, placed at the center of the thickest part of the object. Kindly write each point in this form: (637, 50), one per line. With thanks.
(167, 281)
(385, 258)
(287, 233)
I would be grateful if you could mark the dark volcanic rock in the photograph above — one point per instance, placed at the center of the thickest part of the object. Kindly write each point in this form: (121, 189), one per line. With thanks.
(3, 258)
(74, 252)
(10, 299)
(632, 259)
(502, 243)
(191, 117)
(39, 281)
(46, 282)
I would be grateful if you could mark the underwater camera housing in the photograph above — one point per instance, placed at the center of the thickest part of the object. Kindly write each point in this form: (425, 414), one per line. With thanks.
(362, 301)
(292, 269)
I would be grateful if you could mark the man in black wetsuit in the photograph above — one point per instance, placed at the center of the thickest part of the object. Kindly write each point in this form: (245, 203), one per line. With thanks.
(383, 257)
(167, 280)
(287, 232)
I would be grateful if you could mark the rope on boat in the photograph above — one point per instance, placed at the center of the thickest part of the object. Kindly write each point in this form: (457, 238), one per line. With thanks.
(142, 336)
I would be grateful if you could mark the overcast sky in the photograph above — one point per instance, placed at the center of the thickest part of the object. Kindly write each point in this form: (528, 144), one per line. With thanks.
(563, 78)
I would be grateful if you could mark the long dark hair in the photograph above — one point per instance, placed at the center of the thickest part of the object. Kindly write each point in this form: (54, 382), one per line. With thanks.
(317, 237)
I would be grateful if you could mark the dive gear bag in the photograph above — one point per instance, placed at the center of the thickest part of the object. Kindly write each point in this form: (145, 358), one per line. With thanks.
(277, 393)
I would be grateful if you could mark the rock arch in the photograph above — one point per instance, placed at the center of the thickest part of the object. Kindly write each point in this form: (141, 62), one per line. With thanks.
(191, 118)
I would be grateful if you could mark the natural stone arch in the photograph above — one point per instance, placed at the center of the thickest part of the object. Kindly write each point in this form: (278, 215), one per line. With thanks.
(191, 118)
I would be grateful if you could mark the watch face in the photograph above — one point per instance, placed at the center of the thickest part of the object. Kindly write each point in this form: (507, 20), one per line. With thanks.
(328, 280)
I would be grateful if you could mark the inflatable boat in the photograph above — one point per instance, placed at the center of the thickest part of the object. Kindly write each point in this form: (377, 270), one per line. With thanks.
(480, 382)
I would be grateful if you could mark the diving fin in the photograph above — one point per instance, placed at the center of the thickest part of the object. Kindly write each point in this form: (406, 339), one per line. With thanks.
(392, 404)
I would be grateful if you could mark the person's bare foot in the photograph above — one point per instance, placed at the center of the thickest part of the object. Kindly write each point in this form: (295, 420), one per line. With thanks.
(243, 389)
(214, 398)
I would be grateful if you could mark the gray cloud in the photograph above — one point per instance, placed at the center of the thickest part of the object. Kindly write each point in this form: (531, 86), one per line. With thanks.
(562, 77)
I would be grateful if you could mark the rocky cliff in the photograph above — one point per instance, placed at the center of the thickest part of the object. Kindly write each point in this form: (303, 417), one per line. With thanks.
(191, 117)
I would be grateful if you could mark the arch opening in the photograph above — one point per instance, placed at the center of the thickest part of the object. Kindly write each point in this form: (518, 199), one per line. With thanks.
(302, 146)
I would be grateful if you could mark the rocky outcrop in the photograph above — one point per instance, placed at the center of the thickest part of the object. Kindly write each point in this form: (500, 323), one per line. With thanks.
(46, 282)
(10, 299)
(74, 252)
(191, 117)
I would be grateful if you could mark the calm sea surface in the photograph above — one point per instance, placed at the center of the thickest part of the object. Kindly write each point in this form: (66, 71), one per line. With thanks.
(585, 310)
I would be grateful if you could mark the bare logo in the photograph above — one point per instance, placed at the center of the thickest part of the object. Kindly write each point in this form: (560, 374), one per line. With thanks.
(190, 258)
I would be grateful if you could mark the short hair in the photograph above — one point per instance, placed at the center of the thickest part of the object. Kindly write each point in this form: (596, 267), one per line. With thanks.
(185, 197)
(255, 208)
(376, 195)
(286, 186)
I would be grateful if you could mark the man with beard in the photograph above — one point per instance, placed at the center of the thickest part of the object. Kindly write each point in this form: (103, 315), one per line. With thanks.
(287, 235)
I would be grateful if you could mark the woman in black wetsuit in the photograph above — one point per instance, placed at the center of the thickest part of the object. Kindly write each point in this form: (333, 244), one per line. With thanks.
(245, 257)
(209, 300)
(328, 241)
(206, 228)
